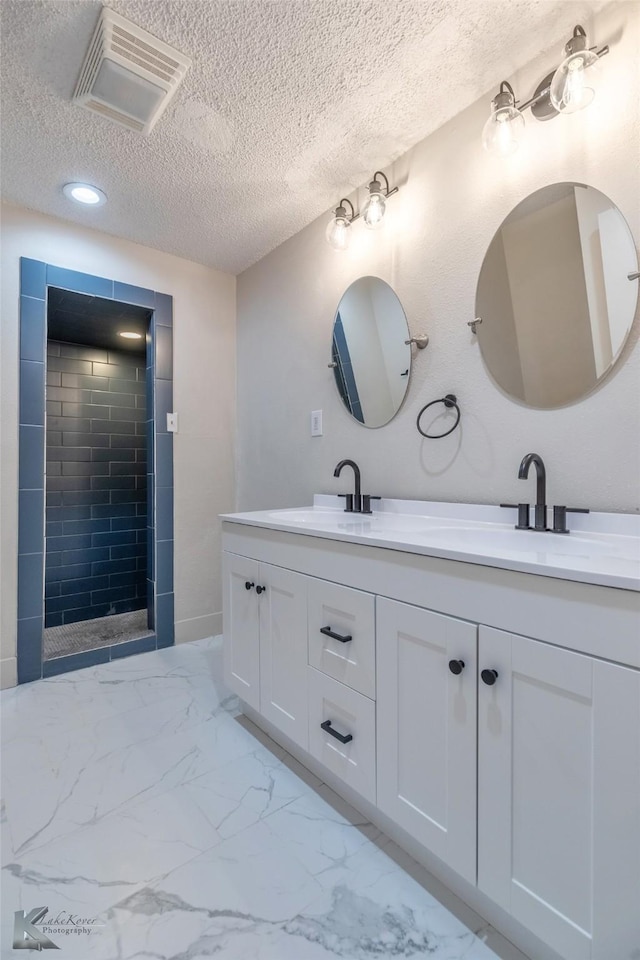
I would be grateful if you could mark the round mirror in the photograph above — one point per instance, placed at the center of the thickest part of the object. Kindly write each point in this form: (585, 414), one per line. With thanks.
(554, 295)
(370, 356)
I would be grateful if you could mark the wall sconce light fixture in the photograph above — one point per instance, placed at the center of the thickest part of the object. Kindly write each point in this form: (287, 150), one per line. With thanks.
(568, 89)
(376, 205)
(338, 233)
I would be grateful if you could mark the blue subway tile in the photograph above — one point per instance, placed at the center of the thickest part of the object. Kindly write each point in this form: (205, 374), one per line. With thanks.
(164, 460)
(70, 543)
(31, 393)
(70, 601)
(164, 310)
(163, 403)
(67, 571)
(164, 513)
(31, 458)
(52, 619)
(164, 566)
(79, 282)
(30, 649)
(163, 345)
(30, 585)
(165, 629)
(130, 647)
(76, 661)
(31, 521)
(127, 293)
(33, 278)
(33, 329)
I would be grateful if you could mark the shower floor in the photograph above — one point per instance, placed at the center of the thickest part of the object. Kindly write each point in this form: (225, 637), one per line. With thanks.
(89, 634)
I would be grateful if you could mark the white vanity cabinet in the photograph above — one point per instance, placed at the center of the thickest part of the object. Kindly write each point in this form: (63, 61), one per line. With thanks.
(468, 723)
(559, 794)
(426, 735)
(266, 664)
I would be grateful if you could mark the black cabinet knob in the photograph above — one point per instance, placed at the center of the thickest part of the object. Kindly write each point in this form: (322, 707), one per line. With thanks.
(456, 666)
(260, 590)
(248, 584)
(489, 677)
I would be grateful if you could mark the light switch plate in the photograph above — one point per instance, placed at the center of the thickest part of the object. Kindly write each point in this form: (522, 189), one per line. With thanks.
(172, 422)
(316, 423)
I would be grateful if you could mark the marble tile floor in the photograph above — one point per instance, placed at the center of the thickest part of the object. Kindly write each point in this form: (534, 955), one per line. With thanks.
(138, 802)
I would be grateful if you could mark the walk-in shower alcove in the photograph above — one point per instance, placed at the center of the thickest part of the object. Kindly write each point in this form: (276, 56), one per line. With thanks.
(96, 473)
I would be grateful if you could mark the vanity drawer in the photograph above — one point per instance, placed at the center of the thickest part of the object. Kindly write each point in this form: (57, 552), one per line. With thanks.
(346, 613)
(349, 714)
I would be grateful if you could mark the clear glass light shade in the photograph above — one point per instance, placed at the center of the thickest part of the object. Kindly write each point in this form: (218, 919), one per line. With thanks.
(374, 211)
(502, 131)
(573, 86)
(338, 233)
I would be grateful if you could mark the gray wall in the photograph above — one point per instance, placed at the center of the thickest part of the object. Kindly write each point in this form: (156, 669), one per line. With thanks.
(453, 197)
(96, 484)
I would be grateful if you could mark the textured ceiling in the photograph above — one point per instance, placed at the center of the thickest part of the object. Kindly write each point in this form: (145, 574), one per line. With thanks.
(288, 106)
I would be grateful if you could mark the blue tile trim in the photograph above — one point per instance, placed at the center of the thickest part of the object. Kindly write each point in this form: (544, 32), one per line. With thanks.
(163, 391)
(31, 458)
(76, 661)
(127, 293)
(33, 278)
(30, 521)
(31, 393)
(164, 513)
(35, 275)
(164, 460)
(164, 620)
(30, 585)
(163, 314)
(33, 329)
(79, 282)
(164, 566)
(30, 649)
(164, 352)
(130, 647)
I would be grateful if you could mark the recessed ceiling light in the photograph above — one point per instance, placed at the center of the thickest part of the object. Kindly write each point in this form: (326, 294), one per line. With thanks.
(130, 335)
(84, 193)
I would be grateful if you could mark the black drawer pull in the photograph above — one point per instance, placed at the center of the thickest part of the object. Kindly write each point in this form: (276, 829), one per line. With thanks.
(456, 666)
(328, 632)
(489, 677)
(248, 584)
(260, 590)
(334, 733)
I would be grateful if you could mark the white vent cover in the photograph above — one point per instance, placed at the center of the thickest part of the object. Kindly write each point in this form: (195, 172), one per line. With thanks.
(128, 76)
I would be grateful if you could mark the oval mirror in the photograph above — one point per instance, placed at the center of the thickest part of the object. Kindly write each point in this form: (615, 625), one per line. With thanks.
(370, 356)
(554, 295)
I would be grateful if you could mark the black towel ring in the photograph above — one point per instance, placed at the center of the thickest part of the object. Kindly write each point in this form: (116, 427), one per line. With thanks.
(449, 401)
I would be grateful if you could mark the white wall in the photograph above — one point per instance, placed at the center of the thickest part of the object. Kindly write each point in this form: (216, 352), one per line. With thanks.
(204, 396)
(452, 199)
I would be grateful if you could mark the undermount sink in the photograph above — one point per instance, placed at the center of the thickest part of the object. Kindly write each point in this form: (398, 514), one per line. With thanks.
(601, 548)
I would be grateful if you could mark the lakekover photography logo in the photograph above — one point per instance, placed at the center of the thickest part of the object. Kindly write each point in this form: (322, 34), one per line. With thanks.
(33, 930)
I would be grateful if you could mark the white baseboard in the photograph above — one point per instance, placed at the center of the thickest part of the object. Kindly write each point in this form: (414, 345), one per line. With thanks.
(197, 628)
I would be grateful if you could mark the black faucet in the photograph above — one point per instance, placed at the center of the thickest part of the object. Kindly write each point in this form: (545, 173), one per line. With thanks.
(541, 487)
(353, 500)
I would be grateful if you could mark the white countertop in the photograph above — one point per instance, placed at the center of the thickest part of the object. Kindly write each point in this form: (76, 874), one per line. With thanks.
(602, 548)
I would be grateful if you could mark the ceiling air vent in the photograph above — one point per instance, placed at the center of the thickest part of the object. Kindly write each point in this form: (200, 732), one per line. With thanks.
(128, 76)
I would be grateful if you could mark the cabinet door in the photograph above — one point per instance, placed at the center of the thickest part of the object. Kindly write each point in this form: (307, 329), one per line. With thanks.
(283, 651)
(426, 729)
(241, 629)
(559, 795)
